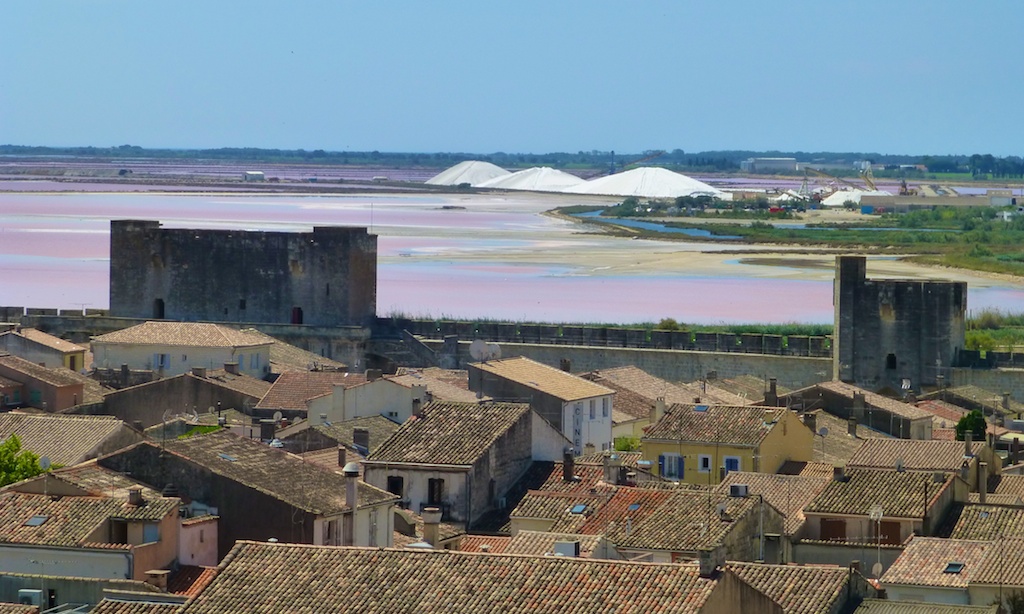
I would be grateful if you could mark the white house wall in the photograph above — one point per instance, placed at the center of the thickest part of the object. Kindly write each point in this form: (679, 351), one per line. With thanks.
(66, 562)
(180, 359)
(581, 429)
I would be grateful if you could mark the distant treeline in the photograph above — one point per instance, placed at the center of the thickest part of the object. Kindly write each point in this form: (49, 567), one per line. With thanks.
(677, 159)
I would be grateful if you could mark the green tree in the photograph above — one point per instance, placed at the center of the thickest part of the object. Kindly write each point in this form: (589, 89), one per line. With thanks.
(974, 423)
(17, 464)
(627, 443)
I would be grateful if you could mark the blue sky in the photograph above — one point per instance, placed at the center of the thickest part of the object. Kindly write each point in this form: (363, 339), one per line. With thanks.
(871, 76)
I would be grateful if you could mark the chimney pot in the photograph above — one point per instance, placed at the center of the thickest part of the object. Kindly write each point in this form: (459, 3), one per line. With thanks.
(417, 406)
(839, 473)
(431, 520)
(361, 438)
(342, 453)
(199, 371)
(566, 365)
(135, 496)
(568, 465)
(231, 367)
(158, 578)
(851, 427)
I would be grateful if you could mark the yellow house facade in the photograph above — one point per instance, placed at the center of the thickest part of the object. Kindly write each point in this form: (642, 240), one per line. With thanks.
(701, 444)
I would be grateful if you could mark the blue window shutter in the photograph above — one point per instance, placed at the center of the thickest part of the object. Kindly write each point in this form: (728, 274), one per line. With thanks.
(661, 465)
(679, 467)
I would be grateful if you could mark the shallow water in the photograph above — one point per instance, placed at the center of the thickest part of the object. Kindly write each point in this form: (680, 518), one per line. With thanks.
(464, 261)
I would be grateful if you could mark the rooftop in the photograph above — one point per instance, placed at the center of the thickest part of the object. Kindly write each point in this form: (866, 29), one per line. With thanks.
(293, 390)
(736, 425)
(271, 471)
(888, 606)
(50, 341)
(285, 357)
(69, 521)
(787, 493)
(651, 387)
(900, 494)
(988, 522)
(916, 455)
(190, 334)
(443, 384)
(450, 433)
(926, 562)
(872, 399)
(65, 439)
(540, 543)
(259, 577)
(57, 376)
(687, 521)
(799, 589)
(543, 378)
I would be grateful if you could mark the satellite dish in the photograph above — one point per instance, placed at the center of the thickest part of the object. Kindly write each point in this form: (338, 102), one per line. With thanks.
(494, 351)
(44, 463)
(875, 513)
(823, 431)
(277, 416)
(478, 349)
(876, 570)
(211, 409)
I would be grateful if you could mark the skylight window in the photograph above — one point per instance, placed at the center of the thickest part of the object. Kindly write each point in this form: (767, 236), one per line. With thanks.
(227, 457)
(36, 521)
(953, 567)
(578, 509)
(700, 408)
(633, 507)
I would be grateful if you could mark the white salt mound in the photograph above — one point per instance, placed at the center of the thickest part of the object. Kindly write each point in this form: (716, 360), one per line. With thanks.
(537, 179)
(647, 182)
(840, 198)
(472, 172)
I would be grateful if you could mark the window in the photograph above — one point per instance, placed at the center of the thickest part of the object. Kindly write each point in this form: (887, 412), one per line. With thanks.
(254, 361)
(161, 361)
(184, 358)
(241, 361)
(732, 463)
(670, 466)
(435, 491)
(158, 309)
(331, 533)
(150, 533)
(704, 463)
(36, 521)
(954, 567)
(396, 485)
(593, 409)
(604, 407)
(890, 361)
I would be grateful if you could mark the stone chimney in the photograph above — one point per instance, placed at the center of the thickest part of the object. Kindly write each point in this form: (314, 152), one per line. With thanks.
(769, 416)
(968, 436)
(267, 429)
(431, 525)
(199, 371)
(589, 449)
(851, 427)
(231, 367)
(342, 455)
(158, 578)
(135, 496)
(417, 408)
(858, 405)
(658, 410)
(361, 438)
(811, 421)
(351, 473)
(565, 365)
(708, 561)
(772, 396)
(982, 482)
(125, 375)
(568, 465)
(839, 473)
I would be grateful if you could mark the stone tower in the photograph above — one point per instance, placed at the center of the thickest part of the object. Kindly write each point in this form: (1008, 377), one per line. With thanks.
(327, 277)
(891, 331)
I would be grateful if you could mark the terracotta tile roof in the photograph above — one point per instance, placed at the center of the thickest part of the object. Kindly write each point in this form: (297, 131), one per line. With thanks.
(943, 411)
(787, 493)
(838, 446)
(188, 334)
(686, 521)
(924, 561)
(450, 433)
(246, 384)
(495, 544)
(271, 471)
(65, 439)
(888, 606)
(92, 390)
(540, 543)
(651, 387)
(293, 390)
(548, 380)
(380, 429)
(50, 341)
(70, 521)
(190, 580)
(328, 458)
(57, 376)
(993, 499)
(1003, 564)
(875, 400)
(558, 505)
(714, 423)
(118, 606)
(988, 522)
(943, 434)
(799, 589)
(443, 384)
(264, 578)
(1006, 484)
(14, 608)
(901, 494)
(285, 357)
(633, 404)
(993, 401)
(590, 476)
(628, 459)
(100, 481)
(810, 469)
(916, 455)
(625, 508)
